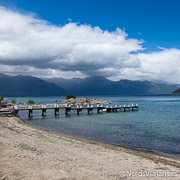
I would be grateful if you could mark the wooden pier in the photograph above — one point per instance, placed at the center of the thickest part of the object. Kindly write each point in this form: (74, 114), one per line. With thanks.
(78, 109)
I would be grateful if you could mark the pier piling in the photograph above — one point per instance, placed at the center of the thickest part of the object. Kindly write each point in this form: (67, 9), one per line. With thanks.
(79, 111)
(43, 112)
(56, 111)
(90, 110)
(68, 111)
(30, 114)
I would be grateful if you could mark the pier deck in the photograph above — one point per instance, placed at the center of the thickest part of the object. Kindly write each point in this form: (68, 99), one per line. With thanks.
(79, 109)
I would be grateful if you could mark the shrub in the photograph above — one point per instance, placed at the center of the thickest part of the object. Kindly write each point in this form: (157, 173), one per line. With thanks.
(69, 96)
(30, 101)
(1, 98)
(13, 101)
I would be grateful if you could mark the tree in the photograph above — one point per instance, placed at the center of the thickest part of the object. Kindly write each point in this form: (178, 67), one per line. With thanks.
(1, 98)
(69, 96)
(30, 101)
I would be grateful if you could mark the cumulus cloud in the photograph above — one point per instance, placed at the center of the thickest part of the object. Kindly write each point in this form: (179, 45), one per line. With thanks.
(35, 47)
(163, 64)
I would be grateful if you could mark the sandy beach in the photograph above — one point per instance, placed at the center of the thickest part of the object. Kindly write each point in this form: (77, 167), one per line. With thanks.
(30, 153)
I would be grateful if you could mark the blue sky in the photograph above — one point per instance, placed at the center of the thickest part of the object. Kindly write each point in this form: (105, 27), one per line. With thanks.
(130, 39)
(155, 21)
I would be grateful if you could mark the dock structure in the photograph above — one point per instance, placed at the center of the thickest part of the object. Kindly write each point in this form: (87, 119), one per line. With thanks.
(78, 109)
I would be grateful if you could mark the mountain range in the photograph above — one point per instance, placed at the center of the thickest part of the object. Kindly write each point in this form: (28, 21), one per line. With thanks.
(97, 85)
(28, 86)
(101, 86)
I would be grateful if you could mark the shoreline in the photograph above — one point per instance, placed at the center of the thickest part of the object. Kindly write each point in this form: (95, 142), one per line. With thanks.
(54, 155)
(147, 153)
(129, 148)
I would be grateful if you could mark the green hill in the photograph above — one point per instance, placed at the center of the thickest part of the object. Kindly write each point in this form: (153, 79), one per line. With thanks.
(176, 91)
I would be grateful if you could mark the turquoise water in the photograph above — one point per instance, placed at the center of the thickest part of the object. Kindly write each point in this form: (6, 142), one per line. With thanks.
(155, 126)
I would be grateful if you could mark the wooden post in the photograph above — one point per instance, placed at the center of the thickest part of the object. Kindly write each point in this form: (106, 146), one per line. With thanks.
(120, 108)
(79, 111)
(56, 111)
(68, 110)
(30, 113)
(114, 109)
(90, 110)
(43, 112)
(98, 109)
(108, 109)
(16, 112)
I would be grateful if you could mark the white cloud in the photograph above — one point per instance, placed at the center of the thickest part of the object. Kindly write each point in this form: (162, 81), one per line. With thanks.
(35, 47)
(164, 64)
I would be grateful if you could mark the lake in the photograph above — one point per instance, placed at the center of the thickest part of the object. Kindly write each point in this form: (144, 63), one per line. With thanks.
(155, 126)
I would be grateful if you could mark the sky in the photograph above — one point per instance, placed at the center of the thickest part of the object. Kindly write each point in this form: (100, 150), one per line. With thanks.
(118, 39)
